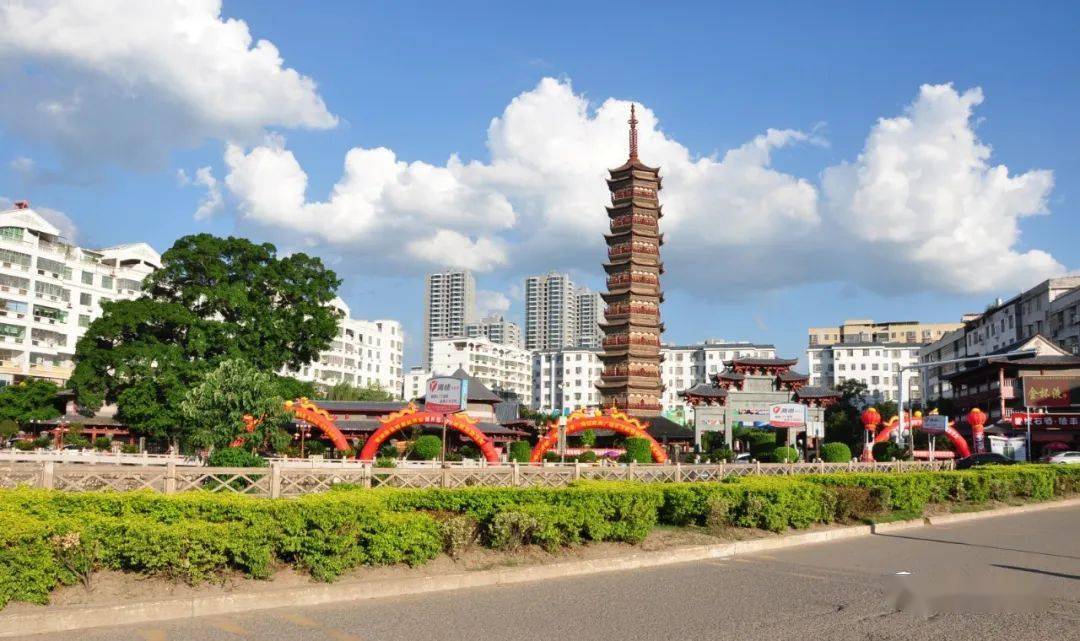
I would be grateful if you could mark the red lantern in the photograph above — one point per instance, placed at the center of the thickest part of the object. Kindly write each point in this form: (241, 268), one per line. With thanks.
(870, 419)
(976, 418)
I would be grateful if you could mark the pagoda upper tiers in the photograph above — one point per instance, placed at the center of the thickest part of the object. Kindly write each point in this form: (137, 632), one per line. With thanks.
(630, 379)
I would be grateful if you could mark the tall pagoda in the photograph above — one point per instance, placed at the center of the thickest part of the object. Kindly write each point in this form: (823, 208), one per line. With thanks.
(632, 327)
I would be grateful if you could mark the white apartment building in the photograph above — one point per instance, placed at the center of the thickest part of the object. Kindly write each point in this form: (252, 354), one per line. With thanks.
(875, 364)
(50, 291)
(567, 378)
(496, 329)
(590, 313)
(415, 384)
(1051, 308)
(449, 306)
(550, 312)
(685, 366)
(504, 369)
(363, 354)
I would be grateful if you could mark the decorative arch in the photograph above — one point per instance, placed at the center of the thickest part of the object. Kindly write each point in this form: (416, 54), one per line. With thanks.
(960, 446)
(307, 411)
(612, 419)
(397, 421)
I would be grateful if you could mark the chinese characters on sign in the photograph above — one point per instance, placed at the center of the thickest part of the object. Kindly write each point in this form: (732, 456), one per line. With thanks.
(1051, 391)
(446, 395)
(787, 415)
(1047, 420)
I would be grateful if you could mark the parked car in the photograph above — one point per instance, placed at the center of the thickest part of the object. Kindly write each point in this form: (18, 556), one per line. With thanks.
(979, 460)
(1064, 457)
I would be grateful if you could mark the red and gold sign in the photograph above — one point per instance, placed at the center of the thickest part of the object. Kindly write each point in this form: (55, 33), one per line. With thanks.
(1051, 391)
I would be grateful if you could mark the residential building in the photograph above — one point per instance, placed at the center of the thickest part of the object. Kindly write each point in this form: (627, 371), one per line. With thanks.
(685, 366)
(505, 369)
(449, 306)
(934, 380)
(415, 383)
(1063, 320)
(365, 353)
(50, 291)
(590, 313)
(496, 329)
(872, 353)
(550, 312)
(565, 379)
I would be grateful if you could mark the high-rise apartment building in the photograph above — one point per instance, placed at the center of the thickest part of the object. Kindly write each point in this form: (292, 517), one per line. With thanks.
(496, 329)
(590, 313)
(550, 312)
(51, 290)
(449, 306)
(365, 353)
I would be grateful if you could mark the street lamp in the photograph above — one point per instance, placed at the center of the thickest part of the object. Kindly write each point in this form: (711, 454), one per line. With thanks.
(303, 430)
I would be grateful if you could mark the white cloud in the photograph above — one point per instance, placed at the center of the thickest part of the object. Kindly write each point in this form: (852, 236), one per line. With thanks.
(489, 303)
(212, 201)
(733, 223)
(126, 81)
(923, 198)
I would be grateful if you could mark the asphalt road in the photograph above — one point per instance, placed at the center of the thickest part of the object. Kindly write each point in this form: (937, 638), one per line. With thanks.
(1012, 578)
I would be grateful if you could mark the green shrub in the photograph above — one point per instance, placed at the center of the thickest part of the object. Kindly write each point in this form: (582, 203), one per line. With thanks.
(235, 457)
(460, 533)
(384, 461)
(76, 440)
(389, 450)
(469, 451)
(43, 441)
(511, 530)
(835, 453)
(588, 456)
(426, 448)
(129, 448)
(102, 443)
(785, 455)
(887, 451)
(638, 450)
(552, 457)
(520, 451)
(721, 455)
(24, 446)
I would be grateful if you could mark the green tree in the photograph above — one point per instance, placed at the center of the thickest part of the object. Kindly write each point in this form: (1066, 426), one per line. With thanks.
(8, 428)
(345, 392)
(638, 450)
(215, 408)
(32, 400)
(291, 389)
(520, 451)
(842, 423)
(214, 299)
(588, 438)
(427, 448)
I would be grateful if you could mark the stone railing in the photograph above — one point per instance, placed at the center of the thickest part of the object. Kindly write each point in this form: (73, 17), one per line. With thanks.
(95, 457)
(279, 480)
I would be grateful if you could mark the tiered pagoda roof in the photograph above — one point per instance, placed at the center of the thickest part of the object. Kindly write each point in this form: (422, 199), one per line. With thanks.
(630, 380)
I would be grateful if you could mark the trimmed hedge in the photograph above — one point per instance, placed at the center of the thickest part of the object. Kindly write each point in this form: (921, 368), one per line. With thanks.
(835, 453)
(50, 538)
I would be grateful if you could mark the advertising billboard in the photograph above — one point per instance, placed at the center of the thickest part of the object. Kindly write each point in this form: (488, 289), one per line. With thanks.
(935, 424)
(446, 395)
(1051, 391)
(787, 415)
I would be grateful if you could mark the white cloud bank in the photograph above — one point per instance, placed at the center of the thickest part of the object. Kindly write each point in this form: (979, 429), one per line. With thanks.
(920, 208)
(126, 81)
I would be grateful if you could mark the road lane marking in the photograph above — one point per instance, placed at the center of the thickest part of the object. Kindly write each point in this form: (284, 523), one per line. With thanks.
(339, 635)
(229, 626)
(299, 620)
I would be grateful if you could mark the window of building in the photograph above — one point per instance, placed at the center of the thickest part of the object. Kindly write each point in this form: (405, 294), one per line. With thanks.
(85, 299)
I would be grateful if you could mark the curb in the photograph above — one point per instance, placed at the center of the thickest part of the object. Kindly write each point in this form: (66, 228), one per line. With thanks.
(63, 619)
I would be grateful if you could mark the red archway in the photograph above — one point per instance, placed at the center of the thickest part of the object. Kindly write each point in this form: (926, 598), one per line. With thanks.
(960, 446)
(307, 411)
(393, 423)
(613, 420)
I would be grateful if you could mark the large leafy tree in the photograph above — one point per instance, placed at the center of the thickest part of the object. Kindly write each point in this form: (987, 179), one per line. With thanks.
(214, 299)
(32, 400)
(215, 409)
(842, 423)
(346, 392)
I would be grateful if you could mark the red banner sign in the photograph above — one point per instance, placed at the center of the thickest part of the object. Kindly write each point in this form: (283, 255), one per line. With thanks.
(1051, 391)
(1019, 419)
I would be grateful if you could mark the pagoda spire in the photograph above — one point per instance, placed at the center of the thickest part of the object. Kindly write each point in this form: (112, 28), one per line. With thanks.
(633, 133)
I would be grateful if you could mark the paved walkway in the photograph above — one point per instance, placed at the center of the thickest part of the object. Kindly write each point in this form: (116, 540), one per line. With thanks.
(1014, 577)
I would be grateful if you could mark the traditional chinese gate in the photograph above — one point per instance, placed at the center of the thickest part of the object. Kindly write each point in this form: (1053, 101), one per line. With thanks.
(612, 419)
(410, 416)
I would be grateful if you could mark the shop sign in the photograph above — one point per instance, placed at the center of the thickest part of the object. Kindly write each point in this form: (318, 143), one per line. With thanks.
(1051, 391)
(787, 415)
(446, 395)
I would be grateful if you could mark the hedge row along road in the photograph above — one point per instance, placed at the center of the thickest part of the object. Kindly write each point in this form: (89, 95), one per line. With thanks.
(49, 538)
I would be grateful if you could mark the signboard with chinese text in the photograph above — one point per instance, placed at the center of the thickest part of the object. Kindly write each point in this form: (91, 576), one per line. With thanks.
(935, 424)
(1051, 391)
(1063, 421)
(787, 415)
(446, 395)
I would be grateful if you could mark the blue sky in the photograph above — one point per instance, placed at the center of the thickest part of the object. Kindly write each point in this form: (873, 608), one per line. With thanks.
(800, 229)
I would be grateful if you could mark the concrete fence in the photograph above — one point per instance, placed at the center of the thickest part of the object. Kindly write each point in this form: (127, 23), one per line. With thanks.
(279, 480)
